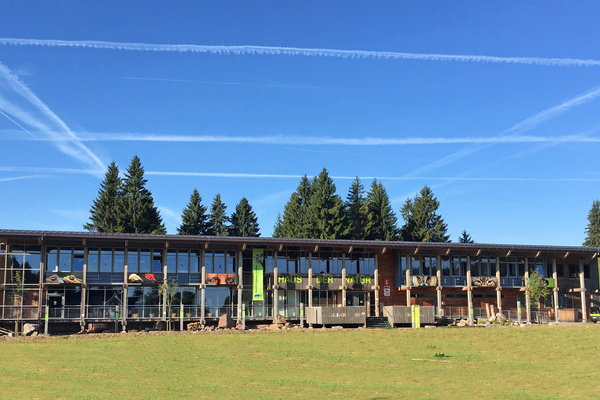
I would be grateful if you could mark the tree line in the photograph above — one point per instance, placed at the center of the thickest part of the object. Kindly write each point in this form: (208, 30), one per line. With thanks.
(126, 206)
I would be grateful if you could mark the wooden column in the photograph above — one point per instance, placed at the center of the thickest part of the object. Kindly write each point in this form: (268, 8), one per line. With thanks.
(344, 285)
(376, 285)
(203, 288)
(527, 297)
(240, 286)
(164, 298)
(555, 291)
(40, 286)
(275, 284)
(469, 292)
(408, 282)
(83, 313)
(438, 274)
(125, 311)
(499, 286)
(310, 273)
(583, 292)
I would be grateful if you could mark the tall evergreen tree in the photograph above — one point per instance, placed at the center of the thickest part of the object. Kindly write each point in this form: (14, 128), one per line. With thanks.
(382, 222)
(138, 212)
(278, 228)
(104, 214)
(217, 219)
(355, 209)
(325, 209)
(194, 218)
(592, 231)
(465, 238)
(243, 220)
(293, 223)
(421, 221)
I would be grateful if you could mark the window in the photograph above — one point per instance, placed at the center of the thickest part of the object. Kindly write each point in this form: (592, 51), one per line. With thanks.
(78, 257)
(106, 260)
(475, 267)
(65, 263)
(445, 266)
(503, 267)
(92, 264)
(145, 261)
(119, 260)
(183, 262)
(456, 266)
(157, 262)
(132, 260)
(171, 262)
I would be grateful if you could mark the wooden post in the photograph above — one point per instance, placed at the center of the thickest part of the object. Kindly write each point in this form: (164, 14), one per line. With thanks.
(408, 282)
(376, 285)
(41, 280)
(275, 284)
(181, 316)
(125, 286)
(84, 289)
(582, 285)
(499, 286)
(203, 289)
(46, 317)
(438, 289)
(527, 297)
(344, 280)
(470, 320)
(164, 295)
(310, 273)
(555, 291)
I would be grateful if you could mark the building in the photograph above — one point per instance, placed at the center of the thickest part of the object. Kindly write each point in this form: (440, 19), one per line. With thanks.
(92, 277)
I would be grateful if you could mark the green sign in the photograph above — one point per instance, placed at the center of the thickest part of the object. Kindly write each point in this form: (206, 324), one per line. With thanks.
(258, 268)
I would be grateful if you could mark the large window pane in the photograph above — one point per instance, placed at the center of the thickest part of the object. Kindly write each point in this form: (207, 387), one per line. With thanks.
(132, 261)
(119, 260)
(92, 262)
(219, 262)
(65, 261)
(183, 262)
(106, 260)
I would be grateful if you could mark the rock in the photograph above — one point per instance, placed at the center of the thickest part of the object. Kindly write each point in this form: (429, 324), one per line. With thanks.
(280, 319)
(239, 327)
(274, 327)
(29, 329)
(209, 328)
(462, 322)
(500, 317)
(225, 322)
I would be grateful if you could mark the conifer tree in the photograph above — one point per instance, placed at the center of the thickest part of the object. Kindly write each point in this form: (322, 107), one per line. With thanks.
(243, 220)
(138, 212)
(592, 231)
(355, 209)
(194, 218)
(293, 223)
(325, 209)
(382, 222)
(104, 214)
(421, 221)
(217, 219)
(278, 228)
(465, 238)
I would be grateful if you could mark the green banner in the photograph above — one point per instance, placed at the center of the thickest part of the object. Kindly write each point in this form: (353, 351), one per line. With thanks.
(258, 268)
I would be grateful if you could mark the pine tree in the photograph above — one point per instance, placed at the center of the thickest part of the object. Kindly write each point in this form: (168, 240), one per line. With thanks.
(194, 218)
(138, 212)
(592, 231)
(382, 222)
(325, 209)
(465, 238)
(293, 223)
(217, 219)
(278, 228)
(243, 220)
(421, 222)
(104, 214)
(355, 209)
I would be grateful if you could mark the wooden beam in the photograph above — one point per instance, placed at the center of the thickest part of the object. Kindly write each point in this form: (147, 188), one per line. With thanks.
(280, 247)
(84, 242)
(538, 254)
(383, 250)
(244, 247)
(478, 253)
(595, 255)
(316, 249)
(350, 249)
(206, 246)
(566, 255)
(166, 245)
(416, 251)
(448, 251)
(509, 253)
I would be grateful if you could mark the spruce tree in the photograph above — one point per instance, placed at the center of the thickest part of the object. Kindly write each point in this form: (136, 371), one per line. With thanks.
(138, 212)
(217, 219)
(592, 231)
(293, 223)
(421, 221)
(243, 220)
(325, 209)
(465, 238)
(355, 209)
(382, 222)
(194, 218)
(278, 228)
(104, 214)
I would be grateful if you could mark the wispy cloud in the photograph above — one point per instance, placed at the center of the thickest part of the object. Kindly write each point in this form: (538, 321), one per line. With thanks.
(245, 175)
(44, 120)
(296, 51)
(220, 83)
(18, 178)
(513, 133)
(318, 140)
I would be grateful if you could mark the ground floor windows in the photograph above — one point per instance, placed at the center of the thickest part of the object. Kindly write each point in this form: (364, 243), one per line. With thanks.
(220, 300)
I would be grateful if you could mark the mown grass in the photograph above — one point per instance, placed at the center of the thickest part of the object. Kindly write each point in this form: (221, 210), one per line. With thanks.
(498, 363)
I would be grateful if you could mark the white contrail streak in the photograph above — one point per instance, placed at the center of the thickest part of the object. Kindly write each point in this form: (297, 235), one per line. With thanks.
(80, 151)
(514, 132)
(17, 178)
(318, 140)
(296, 51)
(235, 175)
(17, 124)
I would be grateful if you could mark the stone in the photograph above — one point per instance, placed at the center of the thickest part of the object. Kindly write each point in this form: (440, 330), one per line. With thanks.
(280, 319)
(274, 327)
(225, 322)
(462, 322)
(500, 317)
(29, 329)
(239, 327)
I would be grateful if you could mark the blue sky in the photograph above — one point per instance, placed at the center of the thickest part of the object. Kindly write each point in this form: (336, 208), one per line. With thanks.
(494, 105)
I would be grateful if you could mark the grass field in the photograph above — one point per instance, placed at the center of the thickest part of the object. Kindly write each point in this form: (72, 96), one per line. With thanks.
(443, 363)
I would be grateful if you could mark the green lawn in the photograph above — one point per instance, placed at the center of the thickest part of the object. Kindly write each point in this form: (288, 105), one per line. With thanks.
(494, 363)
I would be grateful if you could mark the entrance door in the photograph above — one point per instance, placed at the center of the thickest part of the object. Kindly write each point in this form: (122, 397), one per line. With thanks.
(56, 304)
(355, 299)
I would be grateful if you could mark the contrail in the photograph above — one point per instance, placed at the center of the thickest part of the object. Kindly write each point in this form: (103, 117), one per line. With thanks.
(80, 152)
(318, 140)
(17, 124)
(245, 175)
(17, 178)
(220, 83)
(297, 51)
(513, 132)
